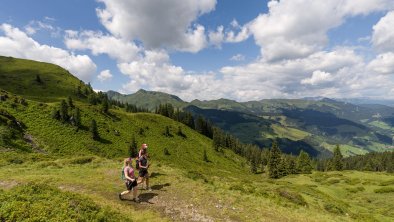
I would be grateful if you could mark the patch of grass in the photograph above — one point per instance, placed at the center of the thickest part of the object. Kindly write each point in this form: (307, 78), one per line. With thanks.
(355, 189)
(290, 133)
(384, 190)
(40, 202)
(292, 197)
(386, 183)
(332, 208)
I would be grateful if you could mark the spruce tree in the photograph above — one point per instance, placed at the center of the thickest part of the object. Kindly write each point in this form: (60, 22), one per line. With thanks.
(216, 139)
(337, 160)
(63, 110)
(283, 167)
(70, 102)
(77, 118)
(274, 161)
(133, 152)
(94, 130)
(38, 79)
(304, 163)
(105, 105)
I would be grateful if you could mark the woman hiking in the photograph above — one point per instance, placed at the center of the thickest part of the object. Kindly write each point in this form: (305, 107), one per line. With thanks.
(143, 174)
(130, 180)
(143, 150)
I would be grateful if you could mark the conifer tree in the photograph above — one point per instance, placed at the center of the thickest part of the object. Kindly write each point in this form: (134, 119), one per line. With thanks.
(167, 132)
(105, 105)
(304, 163)
(63, 110)
(70, 102)
(133, 147)
(38, 79)
(274, 161)
(337, 160)
(216, 139)
(292, 166)
(79, 91)
(180, 133)
(94, 130)
(92, 98)
(283, 167)
(77, 118)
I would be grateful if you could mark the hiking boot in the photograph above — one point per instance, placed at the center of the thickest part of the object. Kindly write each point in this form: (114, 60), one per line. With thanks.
(120, 197)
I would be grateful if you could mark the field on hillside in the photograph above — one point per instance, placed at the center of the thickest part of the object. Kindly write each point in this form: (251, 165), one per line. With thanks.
(188, 195)
(50, 170)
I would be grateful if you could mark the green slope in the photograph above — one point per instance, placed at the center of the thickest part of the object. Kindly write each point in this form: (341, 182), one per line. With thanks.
(60, 166)
(147, 99)
(19, 76)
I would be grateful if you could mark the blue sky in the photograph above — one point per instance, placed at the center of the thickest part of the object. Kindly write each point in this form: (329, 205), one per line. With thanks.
(208, 49)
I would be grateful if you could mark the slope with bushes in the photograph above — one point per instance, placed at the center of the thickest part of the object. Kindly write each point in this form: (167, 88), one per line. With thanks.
(59, 162)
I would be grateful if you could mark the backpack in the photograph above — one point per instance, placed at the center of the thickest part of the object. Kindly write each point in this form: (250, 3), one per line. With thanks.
(122, 176)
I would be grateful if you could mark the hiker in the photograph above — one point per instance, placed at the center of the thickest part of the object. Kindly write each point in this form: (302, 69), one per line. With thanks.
(130, 180)
(143, 171)
(143, 150)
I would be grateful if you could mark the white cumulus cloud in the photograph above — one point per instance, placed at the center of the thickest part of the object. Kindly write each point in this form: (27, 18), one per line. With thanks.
(298, 28)
(119, 49)
(105, 75)
(383, 33)
(168, 24)
(318, 77)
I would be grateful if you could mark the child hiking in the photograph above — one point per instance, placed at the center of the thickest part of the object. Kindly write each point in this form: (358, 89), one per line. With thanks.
(130, 180)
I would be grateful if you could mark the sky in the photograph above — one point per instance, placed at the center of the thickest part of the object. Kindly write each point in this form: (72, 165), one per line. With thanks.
(211, 49)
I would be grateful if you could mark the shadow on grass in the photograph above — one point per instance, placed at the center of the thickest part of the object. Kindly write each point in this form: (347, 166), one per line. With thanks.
(146, 197)
(160, 186)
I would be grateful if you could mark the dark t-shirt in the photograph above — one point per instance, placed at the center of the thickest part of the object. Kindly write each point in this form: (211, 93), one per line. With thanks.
(143, 161)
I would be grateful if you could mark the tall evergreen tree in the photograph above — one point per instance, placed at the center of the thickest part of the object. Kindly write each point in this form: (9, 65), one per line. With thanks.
(274, 161)
(216, 140)
(105, 105)
(94, 130)
(336, 162)
(38, 79)
(63, 110)
(133, 151)
(304, 163)
(92, 98)
(77, 118)
(70, 102)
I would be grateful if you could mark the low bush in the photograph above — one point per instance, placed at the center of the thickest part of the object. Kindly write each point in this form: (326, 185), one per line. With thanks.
(40, 202)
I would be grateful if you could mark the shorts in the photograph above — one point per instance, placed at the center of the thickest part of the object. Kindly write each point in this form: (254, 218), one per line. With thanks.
(130, 185)
(143, 173)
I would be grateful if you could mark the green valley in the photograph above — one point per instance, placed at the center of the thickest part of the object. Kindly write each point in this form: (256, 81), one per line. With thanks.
(51, 169)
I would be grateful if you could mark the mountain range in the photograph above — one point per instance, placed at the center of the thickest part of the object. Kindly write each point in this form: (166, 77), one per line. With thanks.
(315, 125)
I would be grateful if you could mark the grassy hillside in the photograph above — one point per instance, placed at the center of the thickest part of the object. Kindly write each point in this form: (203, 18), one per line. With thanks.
(20, 76)
(45, 162)
(147, 99)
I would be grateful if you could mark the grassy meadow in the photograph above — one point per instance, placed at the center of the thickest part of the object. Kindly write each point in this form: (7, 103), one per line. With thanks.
(52, 171)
